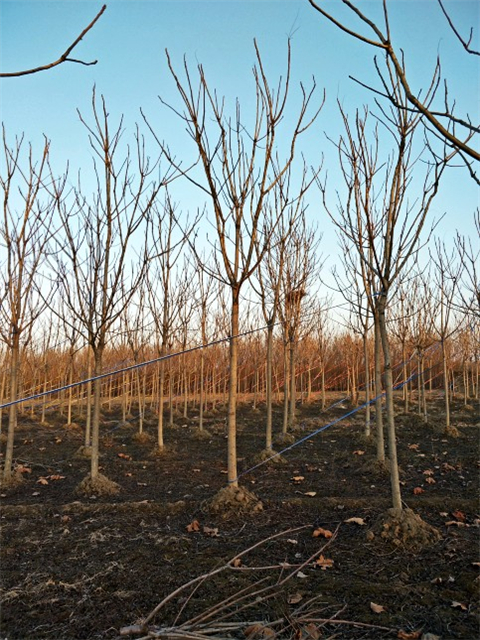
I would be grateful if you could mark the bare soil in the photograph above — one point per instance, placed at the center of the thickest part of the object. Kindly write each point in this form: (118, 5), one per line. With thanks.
(84, 567)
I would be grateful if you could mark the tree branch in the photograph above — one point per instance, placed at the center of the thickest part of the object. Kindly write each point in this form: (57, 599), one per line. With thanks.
(64, 57)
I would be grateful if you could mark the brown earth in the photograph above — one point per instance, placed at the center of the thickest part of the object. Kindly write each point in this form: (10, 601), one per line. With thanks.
(85, 567)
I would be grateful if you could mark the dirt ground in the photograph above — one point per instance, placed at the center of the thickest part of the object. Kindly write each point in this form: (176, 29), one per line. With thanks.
(86, 568)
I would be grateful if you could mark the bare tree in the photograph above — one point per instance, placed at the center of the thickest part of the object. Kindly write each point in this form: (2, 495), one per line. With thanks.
(301, 266)
(468, 250)
(25, 230)
(240, 168)
(162, 282)
(92, 259)
(383, 226)
(458, 133)
(65, 57)
(447, 273)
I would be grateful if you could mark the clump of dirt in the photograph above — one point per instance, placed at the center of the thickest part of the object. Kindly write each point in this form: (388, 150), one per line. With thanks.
(269, 455)
(83, 452)
(285, 438)
(160, 452)
(73, 426)
(232, 501)
(451, 432)
(376, 468)
(201, 434)
(99, 486)
(142, 437)
(404, 528)
(13, 481)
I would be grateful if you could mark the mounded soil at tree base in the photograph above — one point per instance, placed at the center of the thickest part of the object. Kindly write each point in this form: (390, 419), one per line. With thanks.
(89, 566)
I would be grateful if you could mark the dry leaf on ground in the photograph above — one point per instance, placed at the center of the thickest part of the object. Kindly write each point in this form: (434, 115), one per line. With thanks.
(255, 631)
(322, 532)
(408, 635)
(193, 526)
(376, 608)
(418, 490)
(324, 563)
(294, 598)
(360, 521)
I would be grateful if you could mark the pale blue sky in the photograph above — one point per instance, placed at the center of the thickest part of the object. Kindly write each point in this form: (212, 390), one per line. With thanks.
(129, 43)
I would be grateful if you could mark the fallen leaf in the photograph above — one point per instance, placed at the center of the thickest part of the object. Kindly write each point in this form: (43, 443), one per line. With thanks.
(459, 605)
(413, 446)
(418, 490)
(125, 456)
(292, 541)
(213, 532)
(376, 608)
(475, 564)
(255, 631)
(322, 532)
(428, 472)
(447, 467)
(196, 470)
(298, 479)
(42, 480)
(459, 515)
(301, 575)
(324, 563)
(128, 474)
(360, 521)
(359, 452)
(430, 480)
(65, 519)
(236, 562)
(310, 632)
(311, 494)
(455, 523)
(56, 477)
(284, 565)
(406, 635)
(294, 598)
(22, 469)
(36, 493)
(193, 526)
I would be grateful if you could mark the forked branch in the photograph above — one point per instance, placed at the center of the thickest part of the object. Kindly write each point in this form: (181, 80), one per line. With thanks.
(63, 58)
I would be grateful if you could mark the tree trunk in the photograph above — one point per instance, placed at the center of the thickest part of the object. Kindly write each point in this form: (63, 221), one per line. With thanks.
(367, 385)
(88, 423)
(285, 390)
(97, 393)
(12, 412)
(392, 442)
(268, 398)
(232, 392)
(161, 381)
(378, 394)
(201, 390)
(445, 385)
(293, 389)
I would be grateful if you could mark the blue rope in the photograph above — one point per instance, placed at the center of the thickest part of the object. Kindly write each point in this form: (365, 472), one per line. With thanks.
(330, 424)
(124, 369)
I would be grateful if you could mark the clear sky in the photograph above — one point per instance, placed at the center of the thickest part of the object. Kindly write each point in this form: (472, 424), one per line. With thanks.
(129, 42)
